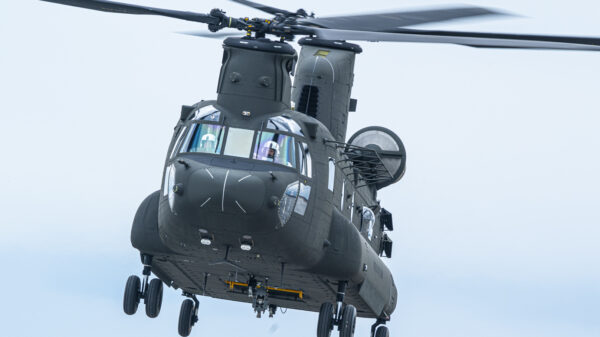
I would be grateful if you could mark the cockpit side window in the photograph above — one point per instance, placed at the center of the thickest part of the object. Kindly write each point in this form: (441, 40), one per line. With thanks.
(204, 138)
(305, 160)
(282, 123)
(182, 132)
(276, 148)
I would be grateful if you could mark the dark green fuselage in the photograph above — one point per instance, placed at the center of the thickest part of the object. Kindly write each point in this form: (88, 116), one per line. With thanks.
(305, 222)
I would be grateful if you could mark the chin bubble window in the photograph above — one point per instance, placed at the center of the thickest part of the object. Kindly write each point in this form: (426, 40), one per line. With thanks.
(288, 202)
(303, 197)
(276, 148)
(204, 138)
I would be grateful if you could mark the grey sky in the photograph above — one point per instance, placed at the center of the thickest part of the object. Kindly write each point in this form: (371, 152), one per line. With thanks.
(497, 221)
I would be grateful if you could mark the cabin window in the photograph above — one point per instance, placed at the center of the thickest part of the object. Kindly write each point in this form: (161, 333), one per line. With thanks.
(239, 142)
(276, 148)
(342, 199)
(204, 138)
(367, 222)
(351, 208)
(331, 179)
(302, 201)
(305, 160)
(282, 123)
(207, 113)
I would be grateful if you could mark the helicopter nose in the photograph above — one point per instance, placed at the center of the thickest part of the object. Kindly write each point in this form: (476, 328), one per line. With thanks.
(226, 190)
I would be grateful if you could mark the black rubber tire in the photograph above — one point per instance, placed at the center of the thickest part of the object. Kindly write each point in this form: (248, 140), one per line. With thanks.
(382, 331)
(186, 318)
(325, 325)
(348, 321)
(154, 296)
(131, 298)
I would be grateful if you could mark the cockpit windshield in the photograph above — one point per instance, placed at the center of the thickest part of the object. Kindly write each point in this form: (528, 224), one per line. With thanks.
(276, 148)
(205, 138)
(280, 141)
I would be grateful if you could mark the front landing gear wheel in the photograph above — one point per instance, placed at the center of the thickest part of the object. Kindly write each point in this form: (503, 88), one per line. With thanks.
(131, 298)
(154, 295)
(186, 318)
(348, 321)
(382, 331)
(325, 324)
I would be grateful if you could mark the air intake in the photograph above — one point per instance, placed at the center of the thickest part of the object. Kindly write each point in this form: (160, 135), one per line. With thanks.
(309, 100)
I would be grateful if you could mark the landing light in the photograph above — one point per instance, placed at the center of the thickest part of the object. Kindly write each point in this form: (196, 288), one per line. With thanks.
(206, 241)
(246, 247)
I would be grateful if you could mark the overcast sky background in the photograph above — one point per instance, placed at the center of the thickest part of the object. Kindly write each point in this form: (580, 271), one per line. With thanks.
(497, 218)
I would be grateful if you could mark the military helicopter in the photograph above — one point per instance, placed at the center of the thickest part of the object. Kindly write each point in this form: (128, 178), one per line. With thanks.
(263, 200)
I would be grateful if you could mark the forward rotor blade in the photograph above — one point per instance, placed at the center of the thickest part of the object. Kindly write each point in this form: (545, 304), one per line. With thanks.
(264, 8)
(385, 21)
(211, 35)
(118, 7)
(472, 39)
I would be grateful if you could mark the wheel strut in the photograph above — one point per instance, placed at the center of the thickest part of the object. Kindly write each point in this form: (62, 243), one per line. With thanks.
(147, 262)
(341, 293)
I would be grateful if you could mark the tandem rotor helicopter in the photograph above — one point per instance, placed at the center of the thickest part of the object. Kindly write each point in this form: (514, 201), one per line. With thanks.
(263, 199)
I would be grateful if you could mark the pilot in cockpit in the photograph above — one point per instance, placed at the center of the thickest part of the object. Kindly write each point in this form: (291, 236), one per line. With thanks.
(269, 151)
(208, 143)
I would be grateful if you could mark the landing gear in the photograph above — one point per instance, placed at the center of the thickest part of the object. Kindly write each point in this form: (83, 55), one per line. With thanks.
(188, 316)
(380, 330)
(348, 322)
(154, 296)
(131, 298)
(344, 316)
(326, 320)
(136, 289)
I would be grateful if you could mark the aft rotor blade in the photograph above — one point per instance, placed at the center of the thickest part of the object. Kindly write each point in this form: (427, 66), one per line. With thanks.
(385, 21)
(264, 8)
(473, 39)
(118, 7)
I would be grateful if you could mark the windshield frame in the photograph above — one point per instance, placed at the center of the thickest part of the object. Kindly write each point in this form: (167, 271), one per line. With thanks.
(189, 125)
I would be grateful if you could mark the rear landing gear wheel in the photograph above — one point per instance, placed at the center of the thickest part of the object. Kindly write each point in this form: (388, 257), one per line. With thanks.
(131, 298)
(382, 331)
(186, 318)
(154, 295)
(348, 321)
(326, 316)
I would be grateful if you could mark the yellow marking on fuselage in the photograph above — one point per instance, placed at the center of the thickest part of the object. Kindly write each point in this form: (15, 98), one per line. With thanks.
(300, 293)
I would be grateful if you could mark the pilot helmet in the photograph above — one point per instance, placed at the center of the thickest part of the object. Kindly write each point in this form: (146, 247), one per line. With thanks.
(208, 141)
(270, 150)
